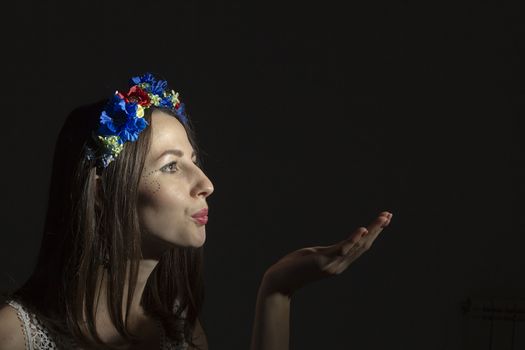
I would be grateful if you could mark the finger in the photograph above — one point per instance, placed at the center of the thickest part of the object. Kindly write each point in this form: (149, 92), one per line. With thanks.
(341, 248)
(377, 226)
(389, 217)
(353, 241)
(357, 246)
(341, 263)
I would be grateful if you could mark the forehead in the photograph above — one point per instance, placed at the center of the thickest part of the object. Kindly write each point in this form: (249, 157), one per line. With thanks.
(167, 132)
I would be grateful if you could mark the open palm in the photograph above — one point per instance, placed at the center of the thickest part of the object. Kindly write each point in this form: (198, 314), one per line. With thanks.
(307, 265)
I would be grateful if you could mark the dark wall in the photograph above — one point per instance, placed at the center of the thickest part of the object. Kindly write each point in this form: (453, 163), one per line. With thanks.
(313, 119)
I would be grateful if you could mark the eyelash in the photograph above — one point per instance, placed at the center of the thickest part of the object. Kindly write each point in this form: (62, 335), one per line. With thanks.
(173, 163)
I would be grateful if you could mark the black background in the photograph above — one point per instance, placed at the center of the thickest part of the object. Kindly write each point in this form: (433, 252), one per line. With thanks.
(313, 118)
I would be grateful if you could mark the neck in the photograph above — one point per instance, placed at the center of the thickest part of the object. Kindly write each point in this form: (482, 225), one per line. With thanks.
(138, 321)
(145, 268)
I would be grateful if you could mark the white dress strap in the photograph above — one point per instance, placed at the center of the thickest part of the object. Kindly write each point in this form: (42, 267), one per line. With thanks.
(37, 336)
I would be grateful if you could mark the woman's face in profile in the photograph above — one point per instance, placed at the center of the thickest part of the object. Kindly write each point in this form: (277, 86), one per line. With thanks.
(172, 189)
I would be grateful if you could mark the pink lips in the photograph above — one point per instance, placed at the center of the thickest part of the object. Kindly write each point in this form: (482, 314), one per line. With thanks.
(201, 216)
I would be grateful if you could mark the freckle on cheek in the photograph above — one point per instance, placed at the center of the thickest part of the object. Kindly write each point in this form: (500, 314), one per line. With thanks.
(154, 185)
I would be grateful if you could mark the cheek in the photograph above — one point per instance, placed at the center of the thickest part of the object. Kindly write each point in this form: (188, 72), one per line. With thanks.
(161, 198)
(150, 184)
(161, 207)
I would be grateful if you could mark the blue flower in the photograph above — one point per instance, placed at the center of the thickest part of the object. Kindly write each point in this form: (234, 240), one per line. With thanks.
(147, 78)
(181, 112)
(166, 102)
(132, 129)
(106, 159)
(114, 116)
(150, 84)
(158, 87)
(120, 118)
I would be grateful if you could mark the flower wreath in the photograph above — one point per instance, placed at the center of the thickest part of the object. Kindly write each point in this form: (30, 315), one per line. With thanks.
(122, 120)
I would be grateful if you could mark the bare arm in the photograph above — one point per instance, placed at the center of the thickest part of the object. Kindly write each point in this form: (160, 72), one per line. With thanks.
(271, 327)
(11, 336)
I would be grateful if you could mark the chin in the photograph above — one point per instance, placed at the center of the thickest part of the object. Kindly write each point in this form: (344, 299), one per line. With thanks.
(199, 239)
(192, 239)
(197, 236)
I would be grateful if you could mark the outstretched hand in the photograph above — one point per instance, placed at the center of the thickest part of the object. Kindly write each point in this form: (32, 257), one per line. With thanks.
(307, 265)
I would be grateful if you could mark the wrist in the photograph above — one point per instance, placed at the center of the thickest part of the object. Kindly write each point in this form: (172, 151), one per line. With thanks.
(268, 290)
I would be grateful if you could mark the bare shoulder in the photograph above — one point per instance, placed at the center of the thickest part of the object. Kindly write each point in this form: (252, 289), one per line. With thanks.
(11, 334)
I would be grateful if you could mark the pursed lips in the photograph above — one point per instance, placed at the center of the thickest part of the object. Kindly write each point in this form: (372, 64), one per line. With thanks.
(201, 216)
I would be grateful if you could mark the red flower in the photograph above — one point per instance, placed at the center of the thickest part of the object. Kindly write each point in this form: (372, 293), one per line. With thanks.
(136, 94)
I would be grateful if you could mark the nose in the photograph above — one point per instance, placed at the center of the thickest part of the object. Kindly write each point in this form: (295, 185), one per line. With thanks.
(203, 187)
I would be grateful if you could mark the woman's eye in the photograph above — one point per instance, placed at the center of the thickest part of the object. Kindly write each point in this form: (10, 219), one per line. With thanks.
(171, 167)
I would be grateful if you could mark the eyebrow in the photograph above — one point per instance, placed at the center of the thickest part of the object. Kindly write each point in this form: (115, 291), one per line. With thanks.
(176, 152)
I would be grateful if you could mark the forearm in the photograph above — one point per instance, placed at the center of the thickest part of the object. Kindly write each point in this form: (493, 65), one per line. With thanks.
(271, 328)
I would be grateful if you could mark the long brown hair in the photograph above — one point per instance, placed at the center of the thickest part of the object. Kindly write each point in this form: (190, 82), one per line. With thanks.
(88, 227)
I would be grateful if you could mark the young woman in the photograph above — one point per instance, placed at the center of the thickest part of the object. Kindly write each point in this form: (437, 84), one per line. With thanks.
(120, 266)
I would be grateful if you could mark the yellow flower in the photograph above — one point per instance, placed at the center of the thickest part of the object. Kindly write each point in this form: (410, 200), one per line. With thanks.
(155, 99)
(111, 143)
(174, 97)
(140, 111)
